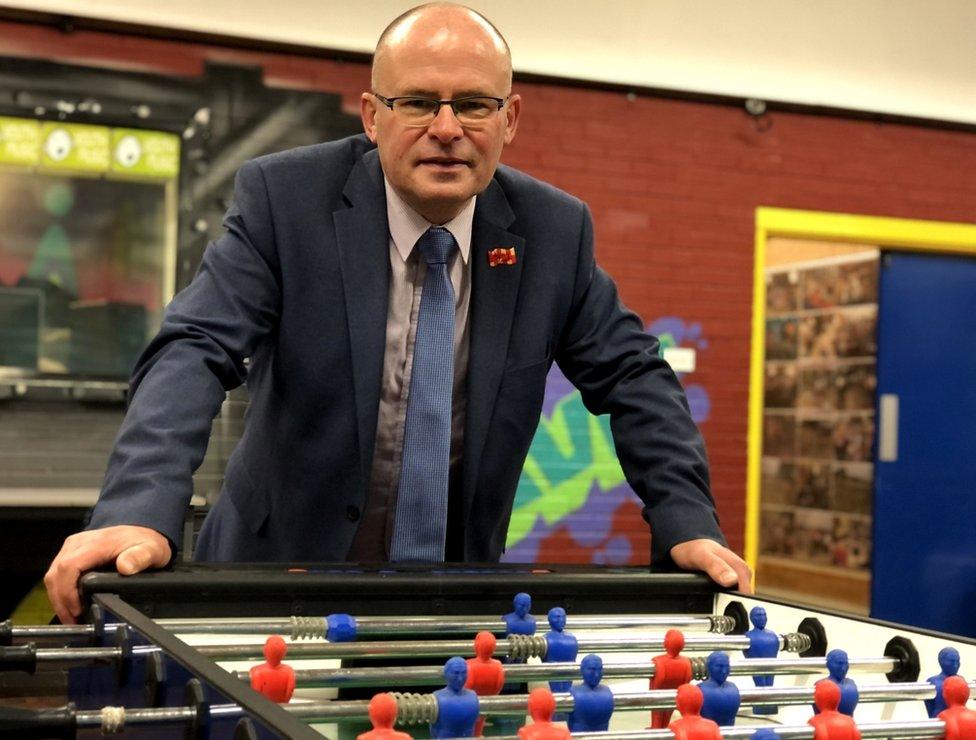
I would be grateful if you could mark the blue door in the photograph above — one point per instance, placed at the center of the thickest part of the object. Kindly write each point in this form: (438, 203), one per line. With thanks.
(924, 561)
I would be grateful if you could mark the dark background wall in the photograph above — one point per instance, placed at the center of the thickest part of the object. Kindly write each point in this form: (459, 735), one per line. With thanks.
(673, 185)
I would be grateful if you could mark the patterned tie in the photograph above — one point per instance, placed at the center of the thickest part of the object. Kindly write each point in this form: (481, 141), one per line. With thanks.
(420, 526)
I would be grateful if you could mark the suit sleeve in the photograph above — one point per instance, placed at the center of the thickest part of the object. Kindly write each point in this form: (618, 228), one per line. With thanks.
(617, 367)
(181, 379)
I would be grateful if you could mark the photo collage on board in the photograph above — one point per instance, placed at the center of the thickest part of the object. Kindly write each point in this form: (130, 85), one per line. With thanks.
(818, 417)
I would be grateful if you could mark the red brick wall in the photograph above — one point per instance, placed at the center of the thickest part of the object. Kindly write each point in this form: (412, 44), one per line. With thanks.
(673, 187)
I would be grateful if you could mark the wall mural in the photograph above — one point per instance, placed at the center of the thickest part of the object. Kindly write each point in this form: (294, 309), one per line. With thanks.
(573, 504)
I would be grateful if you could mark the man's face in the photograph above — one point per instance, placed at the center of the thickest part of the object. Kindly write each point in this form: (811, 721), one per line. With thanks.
(438, 167)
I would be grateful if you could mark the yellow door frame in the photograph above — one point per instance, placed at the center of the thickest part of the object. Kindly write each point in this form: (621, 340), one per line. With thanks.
(900, 233)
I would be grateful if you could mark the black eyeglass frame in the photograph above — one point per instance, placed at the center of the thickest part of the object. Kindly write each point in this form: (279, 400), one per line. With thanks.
(453, 102)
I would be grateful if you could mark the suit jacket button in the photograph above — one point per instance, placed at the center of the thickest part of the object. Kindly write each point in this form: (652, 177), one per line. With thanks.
(352, 513)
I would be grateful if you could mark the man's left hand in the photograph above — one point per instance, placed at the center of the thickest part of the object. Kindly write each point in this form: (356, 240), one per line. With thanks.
(720, 564)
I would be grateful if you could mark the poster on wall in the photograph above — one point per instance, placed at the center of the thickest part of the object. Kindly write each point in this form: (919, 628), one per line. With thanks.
(87, 216)
(818, 417)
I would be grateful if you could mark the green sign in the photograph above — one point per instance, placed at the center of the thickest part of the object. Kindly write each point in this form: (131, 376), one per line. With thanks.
(145, 153)
(20, 141)
(82, 148)
(73, 146)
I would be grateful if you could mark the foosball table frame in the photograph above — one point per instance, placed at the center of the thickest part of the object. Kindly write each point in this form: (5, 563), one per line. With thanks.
(215, 592)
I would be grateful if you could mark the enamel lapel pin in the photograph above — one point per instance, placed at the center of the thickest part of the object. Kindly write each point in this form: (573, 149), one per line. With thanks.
(501, 256)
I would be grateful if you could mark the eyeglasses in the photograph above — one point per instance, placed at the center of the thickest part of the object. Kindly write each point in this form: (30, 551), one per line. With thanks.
(472, 110)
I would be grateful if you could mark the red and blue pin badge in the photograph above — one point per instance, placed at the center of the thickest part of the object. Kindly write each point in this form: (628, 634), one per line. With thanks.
(501, 256)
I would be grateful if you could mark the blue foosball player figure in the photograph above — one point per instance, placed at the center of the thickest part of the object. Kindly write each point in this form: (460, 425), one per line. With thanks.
(763, 643)
(764, 734)
(457, 707)
(721, 695)
(592, 700)
(837, 665)
(829, 723)
(561, 646)
(519, 621)
(949, 663)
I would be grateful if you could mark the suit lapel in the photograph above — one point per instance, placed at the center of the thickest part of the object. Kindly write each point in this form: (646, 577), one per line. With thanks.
(363, 235)
(494, 291)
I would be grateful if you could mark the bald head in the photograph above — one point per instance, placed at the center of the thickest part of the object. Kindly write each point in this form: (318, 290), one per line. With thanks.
(438, 28)
(440, 52)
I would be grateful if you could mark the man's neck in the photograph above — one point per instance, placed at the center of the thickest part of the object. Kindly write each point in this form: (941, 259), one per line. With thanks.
(437, 213)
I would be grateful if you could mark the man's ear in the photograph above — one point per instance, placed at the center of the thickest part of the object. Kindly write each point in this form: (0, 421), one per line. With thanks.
(367, 112)
(512, 111)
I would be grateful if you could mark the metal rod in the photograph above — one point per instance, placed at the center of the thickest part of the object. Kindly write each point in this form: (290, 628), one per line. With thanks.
(804, 694)
(516, 705)
(88, 718)
(33, 631)
(390, 625)
(434, 675)
(447, 648)
(89, 654)
(78, 656)
(788, 666)
(902, 729)
(647, 700)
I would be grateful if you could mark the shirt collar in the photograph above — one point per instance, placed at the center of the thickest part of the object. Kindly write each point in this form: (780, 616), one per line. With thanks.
(407, 226)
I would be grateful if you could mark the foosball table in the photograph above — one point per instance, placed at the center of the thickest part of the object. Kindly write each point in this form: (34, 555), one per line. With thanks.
(249, 652)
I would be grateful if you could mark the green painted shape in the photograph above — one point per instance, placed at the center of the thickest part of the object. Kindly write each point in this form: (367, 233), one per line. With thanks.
(53, 261)
(571, 451)
(58, 199)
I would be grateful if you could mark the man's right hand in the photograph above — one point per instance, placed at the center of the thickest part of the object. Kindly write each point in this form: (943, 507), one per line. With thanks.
(133, 549)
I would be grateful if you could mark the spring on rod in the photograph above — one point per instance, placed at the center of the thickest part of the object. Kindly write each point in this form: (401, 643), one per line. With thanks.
(722, 624)
(415, 709)
(521, 647)
(794, 642)
(307, 628)
(699, 668)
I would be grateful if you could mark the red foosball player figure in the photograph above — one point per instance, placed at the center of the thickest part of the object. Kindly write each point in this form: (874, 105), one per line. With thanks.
(960, 723)
(831, 724)
(542, 705)
(671, 670)
(273, 678)
(486, 675)
(691, 725)
(382, 713)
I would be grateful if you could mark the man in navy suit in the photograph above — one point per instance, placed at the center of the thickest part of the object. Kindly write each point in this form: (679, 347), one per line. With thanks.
(313, 295)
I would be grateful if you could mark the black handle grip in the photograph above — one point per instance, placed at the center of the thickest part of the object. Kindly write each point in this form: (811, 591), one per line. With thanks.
(30, 724)
(19, 658)
(6, 632)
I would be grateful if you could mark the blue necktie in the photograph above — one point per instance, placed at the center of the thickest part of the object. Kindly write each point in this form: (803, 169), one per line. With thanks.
(420, 525)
